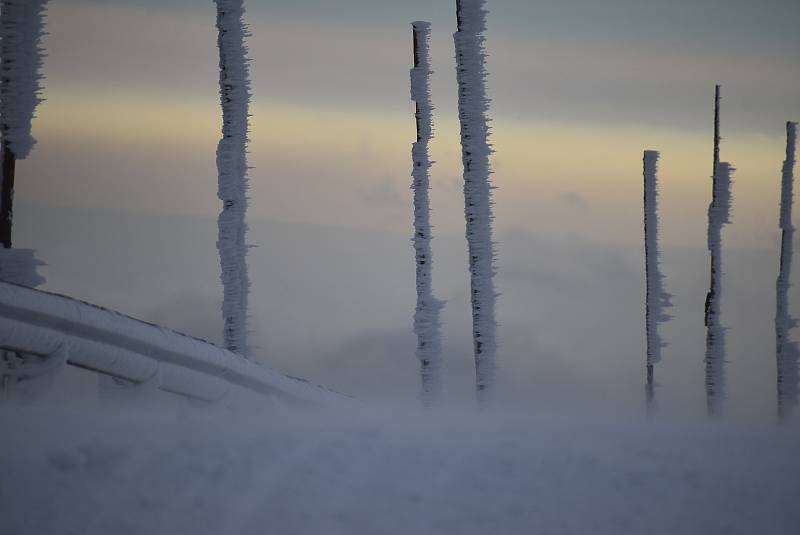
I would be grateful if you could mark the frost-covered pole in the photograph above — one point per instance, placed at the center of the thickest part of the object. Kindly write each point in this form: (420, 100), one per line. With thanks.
(786, 350)
(718, 215)
(234, 91)
(716, 128)
(475, 150)
(21, 54)
(426, 315)
(656, 299)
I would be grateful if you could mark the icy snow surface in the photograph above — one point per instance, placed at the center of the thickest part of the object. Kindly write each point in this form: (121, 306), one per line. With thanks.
(286, 472)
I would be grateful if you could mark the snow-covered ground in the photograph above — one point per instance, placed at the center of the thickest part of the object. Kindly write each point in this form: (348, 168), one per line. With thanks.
(67, 471)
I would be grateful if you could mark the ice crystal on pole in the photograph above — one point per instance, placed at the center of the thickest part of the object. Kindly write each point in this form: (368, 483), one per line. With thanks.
(232, 168)
(426, 316)
(21, 57)
(21, 54)
(786, 350)
(475, 150)
(718, 216)
(657, 299)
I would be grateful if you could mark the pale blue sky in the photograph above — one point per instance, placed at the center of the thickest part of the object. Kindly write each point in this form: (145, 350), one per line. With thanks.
(640, 62)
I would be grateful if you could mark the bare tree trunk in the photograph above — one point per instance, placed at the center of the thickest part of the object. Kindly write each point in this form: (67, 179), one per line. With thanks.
(786, 350)
(426, 315)
(475, 151)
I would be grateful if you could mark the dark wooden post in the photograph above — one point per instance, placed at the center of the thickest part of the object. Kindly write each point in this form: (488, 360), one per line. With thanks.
(7, 195)
(716, 129)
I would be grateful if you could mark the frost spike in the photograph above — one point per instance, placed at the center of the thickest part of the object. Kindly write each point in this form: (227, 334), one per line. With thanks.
(718, 216)
(786, 350)
(21, 56)
(656, 299)
(426, 315)
(234, 92)
(475, 150)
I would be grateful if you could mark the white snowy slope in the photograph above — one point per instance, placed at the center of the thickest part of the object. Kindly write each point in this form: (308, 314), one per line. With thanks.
(99, 339)
(473, 104)
(21, 28)
(428, 308)
(297, 473)
(234, 82)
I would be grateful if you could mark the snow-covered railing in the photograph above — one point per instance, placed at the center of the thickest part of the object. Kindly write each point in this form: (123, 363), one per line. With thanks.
(40, 330)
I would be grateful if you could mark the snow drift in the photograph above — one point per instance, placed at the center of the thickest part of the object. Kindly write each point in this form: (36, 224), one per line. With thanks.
(293, 473)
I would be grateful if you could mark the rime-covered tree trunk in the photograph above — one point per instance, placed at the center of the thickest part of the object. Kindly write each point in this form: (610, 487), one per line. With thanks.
(718, 215)
(475, 150)
(426, 315)
(21, 29)
(234, 86)
(656, 300)
(786, 350)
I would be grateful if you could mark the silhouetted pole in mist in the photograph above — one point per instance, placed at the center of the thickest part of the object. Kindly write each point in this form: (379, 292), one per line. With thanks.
(713, 189)
(718, 216)
(656, 299)
(786, 351)
(716, 129)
